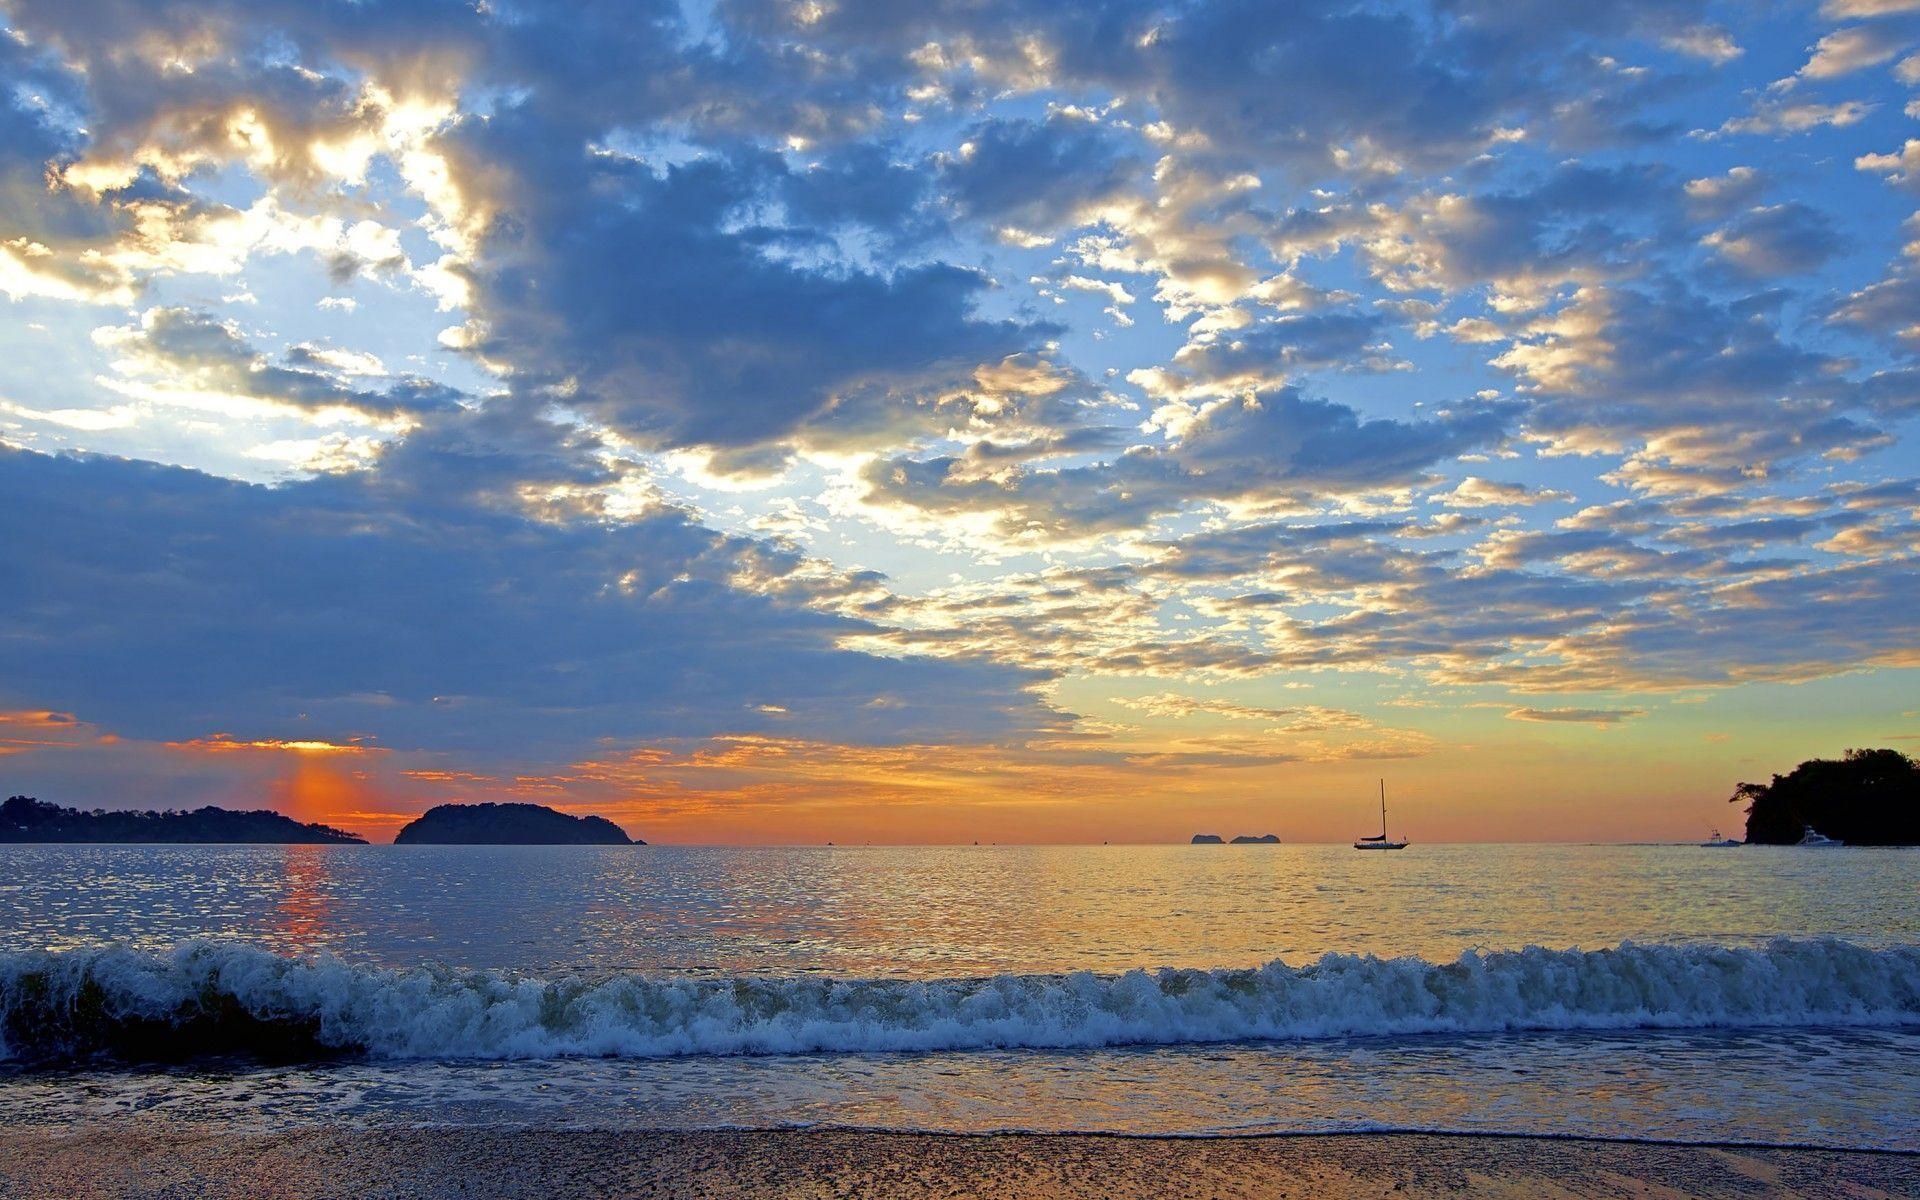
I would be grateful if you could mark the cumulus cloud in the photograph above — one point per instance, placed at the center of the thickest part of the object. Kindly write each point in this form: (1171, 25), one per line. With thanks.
(1783, 239)
(1845, 51)
(1901, 168)
(1720, 196)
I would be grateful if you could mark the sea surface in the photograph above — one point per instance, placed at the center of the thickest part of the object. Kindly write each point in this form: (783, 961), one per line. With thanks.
(1754, 994)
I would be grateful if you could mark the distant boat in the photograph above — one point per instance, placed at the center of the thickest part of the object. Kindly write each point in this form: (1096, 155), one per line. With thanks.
(1811, 838)
(1381, 842)
(1715, 841)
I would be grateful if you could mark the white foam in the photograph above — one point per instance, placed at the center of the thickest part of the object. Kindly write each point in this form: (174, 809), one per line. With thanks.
(437, 1012)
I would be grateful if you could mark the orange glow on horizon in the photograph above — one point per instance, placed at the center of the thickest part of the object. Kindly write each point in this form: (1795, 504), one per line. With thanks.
(314, 791)
(1551, 780)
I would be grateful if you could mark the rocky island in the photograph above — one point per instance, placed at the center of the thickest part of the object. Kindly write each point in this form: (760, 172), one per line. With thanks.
(510, 825)
(1245, 839)
(25, 819)
(1867, 798)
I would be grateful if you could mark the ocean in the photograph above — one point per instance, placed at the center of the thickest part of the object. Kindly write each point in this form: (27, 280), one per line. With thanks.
(1756, 995)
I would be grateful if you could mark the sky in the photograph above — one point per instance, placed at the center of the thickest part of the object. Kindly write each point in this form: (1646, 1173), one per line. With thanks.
(787, 422)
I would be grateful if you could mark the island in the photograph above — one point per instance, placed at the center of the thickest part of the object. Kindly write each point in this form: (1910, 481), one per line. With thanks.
(492, 824)
(1207, 839)
(25, 819)
(1265, 839)
(1867, 798)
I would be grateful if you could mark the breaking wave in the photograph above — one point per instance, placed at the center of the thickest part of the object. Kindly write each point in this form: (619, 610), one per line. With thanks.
(218, 998)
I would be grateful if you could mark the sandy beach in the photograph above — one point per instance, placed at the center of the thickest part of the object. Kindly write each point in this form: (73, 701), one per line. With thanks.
(508, 1163)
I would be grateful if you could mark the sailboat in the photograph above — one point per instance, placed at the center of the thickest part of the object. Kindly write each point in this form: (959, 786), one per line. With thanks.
(1381, 842)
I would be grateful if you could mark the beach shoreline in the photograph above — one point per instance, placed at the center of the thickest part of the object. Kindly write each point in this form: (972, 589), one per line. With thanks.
(151, 1159)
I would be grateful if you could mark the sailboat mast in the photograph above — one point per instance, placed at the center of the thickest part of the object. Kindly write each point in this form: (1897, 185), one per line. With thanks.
(1383, 810)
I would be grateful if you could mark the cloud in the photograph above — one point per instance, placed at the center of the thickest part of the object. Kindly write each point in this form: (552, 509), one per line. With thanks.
(1902, 169)
(1173, 704)
(1710, 42)
(1268, 447)
(1283, 440)
(1784, 239)
(190, 358)
(1654, 594)
(427, 603)
(1087, 619)
(1845, 51)
(1847, 10)
(1684, 383)
(1475, 492)
(1781, 116)
(672, 319)
(45, 232)
(1267, 356)
(1576, 224)
(1784, 628)
(1720, 196)
(1037, 176)
(1603, 717)
(1890, 308)
(1295, 719)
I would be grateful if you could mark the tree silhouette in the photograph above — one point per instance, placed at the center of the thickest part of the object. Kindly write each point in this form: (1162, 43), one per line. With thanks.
(25, 819)
(1867, 798)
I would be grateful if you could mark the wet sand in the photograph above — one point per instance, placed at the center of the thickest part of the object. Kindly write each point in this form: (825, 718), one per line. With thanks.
(145, 1162)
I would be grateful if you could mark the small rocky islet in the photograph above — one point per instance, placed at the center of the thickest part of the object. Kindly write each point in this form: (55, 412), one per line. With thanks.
(491, 824)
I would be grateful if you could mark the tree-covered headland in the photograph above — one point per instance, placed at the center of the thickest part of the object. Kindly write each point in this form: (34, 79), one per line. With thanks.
(1867, 798)
(25, 819)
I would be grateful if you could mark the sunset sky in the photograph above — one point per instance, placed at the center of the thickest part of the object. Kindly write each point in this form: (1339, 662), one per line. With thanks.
(764, 421)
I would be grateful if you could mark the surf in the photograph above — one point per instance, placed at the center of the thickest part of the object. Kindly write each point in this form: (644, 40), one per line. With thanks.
(210, 998)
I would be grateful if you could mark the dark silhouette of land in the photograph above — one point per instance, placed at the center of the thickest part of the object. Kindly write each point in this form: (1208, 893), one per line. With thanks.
(1245, 839)
(25, 819)
(510, 825)
(1868, 798)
